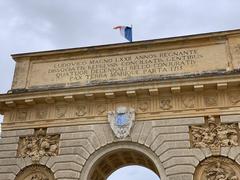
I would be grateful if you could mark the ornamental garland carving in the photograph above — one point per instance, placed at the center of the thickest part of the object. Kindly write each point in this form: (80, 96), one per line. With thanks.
(214, 135)
(38, 145)
(217, 168)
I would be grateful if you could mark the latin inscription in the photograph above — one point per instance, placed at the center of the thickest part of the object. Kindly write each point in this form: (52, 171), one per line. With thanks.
(114, 68)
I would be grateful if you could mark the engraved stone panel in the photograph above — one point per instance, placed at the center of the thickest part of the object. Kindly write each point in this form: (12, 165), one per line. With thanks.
(84, 71)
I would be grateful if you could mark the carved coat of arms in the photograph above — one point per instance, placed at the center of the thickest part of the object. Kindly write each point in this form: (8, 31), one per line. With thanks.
(121, 121)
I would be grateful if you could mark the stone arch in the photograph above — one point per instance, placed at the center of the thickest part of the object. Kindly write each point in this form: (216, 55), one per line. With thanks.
(131, 154)
(35, 172)
(217, 167)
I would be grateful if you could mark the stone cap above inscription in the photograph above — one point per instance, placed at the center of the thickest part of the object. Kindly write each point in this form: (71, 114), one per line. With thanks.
(152, 60)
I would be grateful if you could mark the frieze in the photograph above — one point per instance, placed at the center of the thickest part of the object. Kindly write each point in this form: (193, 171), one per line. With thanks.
(38, 145)
(214, 135)
(168, 103)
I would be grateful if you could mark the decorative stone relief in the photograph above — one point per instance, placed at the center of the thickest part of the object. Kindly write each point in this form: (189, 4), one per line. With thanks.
(210, 100)
(22, 114)
(214, 135)
(143, 106)
(41, 112)
(166, 103)
(35, 172)
(121, 121)
(188, 101)
(38, 145)
(236, 49)
(61, 110)
(217, 168)
(234, 97)
(101, 109)
(81, 110)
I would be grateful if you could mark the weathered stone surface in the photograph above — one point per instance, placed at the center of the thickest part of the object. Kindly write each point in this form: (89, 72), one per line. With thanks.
(8, 147)
(181, 161)
(179, 122)
(9, 140)
(8, 154)
(15, 133)
(181, 177)
(68, 174)
(230, 119)
(65, 158)
(234, 152)
(9, 169)
(180, 169)
(66, 166)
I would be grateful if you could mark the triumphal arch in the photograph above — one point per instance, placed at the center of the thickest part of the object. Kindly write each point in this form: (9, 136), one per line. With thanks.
(171, 105)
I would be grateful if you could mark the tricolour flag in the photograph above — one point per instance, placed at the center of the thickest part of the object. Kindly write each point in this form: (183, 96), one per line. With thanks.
(125, 31)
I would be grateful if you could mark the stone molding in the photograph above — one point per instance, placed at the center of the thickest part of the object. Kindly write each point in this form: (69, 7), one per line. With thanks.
(164, 105)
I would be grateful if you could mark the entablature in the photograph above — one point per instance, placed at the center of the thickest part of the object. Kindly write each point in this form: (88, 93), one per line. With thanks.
(218, 95)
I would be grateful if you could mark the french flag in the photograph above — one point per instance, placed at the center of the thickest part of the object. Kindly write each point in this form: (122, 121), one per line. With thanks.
(125, 31)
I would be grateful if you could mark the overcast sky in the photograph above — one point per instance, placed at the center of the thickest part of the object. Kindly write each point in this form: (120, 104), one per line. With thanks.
(37, 25)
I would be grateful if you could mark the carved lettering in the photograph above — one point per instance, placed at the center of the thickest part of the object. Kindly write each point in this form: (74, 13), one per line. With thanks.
(80, 71)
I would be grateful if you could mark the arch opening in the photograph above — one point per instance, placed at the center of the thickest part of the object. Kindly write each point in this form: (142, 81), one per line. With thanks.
(133, 172)
(117, 159)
